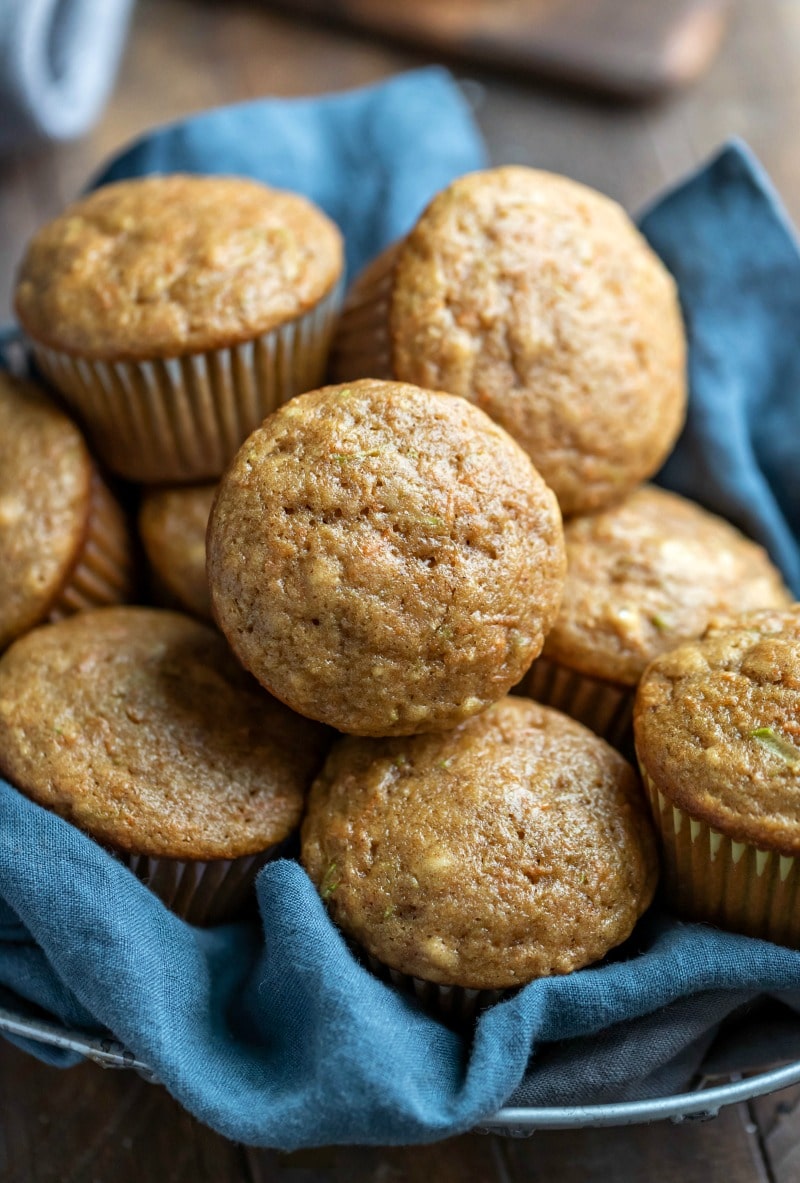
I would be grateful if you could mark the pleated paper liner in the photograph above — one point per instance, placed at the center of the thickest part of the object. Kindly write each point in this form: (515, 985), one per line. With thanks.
(104, 571)
(361, 345)
(602, 706)
(184, 418)
(202, 893)
(707, 876)
(457, 1005)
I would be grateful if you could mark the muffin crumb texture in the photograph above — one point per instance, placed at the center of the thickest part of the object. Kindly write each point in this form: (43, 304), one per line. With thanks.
(45, 495)
(536, 298)
(717, 726)
(167, 265)
(138, 726)
(514, 847)
(384, 559)
(647, 574)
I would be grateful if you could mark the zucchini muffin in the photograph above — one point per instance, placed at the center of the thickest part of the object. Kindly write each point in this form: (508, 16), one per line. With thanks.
(175, 312)
(537, 299)
(384, 559)
(717, 726)
(765, 620)
(172, 526)
(642, 577)
(64, 541)
(514, 847)
(138, 726)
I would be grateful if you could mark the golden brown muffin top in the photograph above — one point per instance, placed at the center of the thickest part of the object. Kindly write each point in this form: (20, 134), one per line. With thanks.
(717, 726)
(537, 298)
(384, 559)
(765, 620)
(648, 574)
(172, 525)
(140, 727)
(45, 487)
(166, 265)
(514, 847)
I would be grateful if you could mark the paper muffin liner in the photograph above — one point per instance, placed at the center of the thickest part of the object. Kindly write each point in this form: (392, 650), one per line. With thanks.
(184, 418)
(103, 573)
(202, 893)
(708, 876)
(361, 345)
(457, 1005)
(602, 706)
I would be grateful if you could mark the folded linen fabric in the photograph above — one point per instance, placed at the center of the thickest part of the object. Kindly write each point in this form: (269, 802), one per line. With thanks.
(275, 1034)
(58, 62)
(372, 158)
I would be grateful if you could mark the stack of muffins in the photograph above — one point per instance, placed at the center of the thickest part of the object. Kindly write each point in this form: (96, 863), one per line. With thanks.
(169, 315)
(461, 514)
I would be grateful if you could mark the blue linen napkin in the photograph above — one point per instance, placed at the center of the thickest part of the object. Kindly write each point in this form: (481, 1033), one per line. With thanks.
(728, 241)
(371, 158)
(275, 1034)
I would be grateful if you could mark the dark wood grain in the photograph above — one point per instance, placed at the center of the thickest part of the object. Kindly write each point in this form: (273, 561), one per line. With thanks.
(726, 1150)
(633, 49)
(777, 1120)
(87, 1125)
(473, 1158)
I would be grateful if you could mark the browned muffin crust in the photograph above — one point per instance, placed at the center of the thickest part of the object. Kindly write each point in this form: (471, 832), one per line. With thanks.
(45, 493)
(514, 847)
(536, 298)
(172, 525)
(647, 574)
(717, 726)
(384, 559)
(140, 727)
(166, 265)
(763, 621)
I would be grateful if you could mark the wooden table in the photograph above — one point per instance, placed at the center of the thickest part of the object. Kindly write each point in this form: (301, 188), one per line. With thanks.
(87, 1125)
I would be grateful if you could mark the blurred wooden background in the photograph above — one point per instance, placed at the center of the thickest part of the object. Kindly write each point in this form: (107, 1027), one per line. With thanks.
(86, 1126)
(185, 55)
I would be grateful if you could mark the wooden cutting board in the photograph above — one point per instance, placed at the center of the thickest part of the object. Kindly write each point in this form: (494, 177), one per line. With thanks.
(630, 48)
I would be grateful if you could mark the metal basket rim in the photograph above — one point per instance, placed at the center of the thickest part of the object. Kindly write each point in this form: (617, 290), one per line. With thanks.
(701, 1104)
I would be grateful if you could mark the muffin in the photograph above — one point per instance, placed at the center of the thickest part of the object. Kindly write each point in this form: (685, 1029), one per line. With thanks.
(384, 559)
(764, 620)
(717, 726)
(514, 847)
(64, 541)
(138, 726)
(642, 577)
(537, 299)
(172, 527)
(175, 312)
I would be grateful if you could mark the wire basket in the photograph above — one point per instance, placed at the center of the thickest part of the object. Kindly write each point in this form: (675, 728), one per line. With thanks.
(701, 1104)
